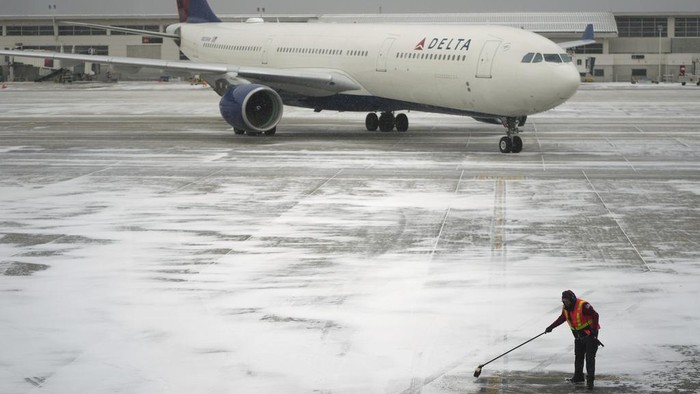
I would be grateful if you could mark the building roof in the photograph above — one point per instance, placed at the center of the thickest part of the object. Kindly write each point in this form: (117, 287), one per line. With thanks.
(541, 22)
(552, 24)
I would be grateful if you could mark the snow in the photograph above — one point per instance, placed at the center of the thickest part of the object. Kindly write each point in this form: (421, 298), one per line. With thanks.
(337, 266)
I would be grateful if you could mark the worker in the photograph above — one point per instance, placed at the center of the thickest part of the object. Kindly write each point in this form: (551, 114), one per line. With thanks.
(583, 320)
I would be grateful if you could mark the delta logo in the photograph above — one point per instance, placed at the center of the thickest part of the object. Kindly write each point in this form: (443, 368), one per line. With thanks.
(445, 44)
(420, 45)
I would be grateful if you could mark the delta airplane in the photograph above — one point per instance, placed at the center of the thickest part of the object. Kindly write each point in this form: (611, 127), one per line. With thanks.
(494, 74)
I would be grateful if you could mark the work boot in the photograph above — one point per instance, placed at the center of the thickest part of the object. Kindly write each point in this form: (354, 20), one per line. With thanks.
(589, 383)
(577, 378)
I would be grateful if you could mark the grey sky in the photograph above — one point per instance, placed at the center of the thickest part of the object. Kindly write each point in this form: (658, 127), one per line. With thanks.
(136, 7)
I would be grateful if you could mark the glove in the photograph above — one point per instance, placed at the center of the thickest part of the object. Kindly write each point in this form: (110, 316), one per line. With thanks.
(548, 330)
(594, 333)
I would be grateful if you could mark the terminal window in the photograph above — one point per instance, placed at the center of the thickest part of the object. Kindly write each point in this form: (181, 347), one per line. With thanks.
(80, 31)
(687, 27)
(589, 49)
(27, 30)
(137, 27)
(637, 26)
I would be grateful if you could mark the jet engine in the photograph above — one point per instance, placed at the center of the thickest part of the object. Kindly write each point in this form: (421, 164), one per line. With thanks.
(253, 108)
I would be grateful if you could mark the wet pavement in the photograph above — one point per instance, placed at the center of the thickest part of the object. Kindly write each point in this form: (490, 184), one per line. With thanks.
(146, 248)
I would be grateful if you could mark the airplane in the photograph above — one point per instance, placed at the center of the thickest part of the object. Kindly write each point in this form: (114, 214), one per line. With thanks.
(495, 74)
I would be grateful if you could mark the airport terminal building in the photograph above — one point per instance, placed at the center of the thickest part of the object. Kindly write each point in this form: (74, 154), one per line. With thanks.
(629, 47)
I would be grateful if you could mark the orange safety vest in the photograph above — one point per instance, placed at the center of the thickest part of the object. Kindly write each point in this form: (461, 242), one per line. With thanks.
(575, 319)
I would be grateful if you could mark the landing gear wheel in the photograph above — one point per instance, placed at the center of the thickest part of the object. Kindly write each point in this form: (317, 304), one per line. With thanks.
(372, 122)
(272, 131)
(517, 145)
(386, 121)
(401, 122)
(239, 131)
(505, 145)
(511, 142)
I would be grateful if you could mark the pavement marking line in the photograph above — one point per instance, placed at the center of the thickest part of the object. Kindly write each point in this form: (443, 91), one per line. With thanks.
(324, 183)
(537, 138)
(94, 172)
(416, 383)
(199, 179)
(23, 251)
(459, 182)
(251, 236)
(499, 217)
(634, 247)
(681, 142)
(621, 154)
(630, 163)
(639, 129)
(442, 227)
(444, 219)
(611, 143)
(544, 166)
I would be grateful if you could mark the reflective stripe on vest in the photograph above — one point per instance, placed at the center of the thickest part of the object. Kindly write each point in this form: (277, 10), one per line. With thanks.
(575, 320)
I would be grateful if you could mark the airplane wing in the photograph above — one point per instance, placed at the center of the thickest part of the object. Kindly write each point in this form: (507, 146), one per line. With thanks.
(587, 38)
(302, 80)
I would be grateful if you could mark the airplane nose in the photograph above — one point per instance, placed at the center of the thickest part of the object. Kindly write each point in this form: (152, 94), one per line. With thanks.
(567, 82)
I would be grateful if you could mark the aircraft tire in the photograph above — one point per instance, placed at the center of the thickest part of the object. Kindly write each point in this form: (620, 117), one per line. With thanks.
(239, 131)
(517, 145)
(272, 131)
(505, 145)
(372, 121)
(401, 122)
(386, 122)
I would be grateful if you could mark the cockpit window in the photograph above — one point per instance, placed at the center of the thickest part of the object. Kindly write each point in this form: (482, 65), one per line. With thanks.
(547, 57)
(552, 58)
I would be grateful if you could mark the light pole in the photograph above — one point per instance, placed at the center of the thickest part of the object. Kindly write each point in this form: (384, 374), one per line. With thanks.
(661, 29)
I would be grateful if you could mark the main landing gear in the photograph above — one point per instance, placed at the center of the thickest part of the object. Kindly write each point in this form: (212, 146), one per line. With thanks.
(512, 143)
(386, 122)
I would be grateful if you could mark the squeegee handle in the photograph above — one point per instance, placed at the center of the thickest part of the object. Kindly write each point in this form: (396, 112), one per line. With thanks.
(522, 344)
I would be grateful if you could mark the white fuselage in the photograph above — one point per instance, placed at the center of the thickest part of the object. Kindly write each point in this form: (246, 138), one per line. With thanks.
(474, 70)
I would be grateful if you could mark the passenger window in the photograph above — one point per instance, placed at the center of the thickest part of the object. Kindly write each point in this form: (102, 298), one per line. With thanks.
(528, 58)
(552, 58)
(538, 58)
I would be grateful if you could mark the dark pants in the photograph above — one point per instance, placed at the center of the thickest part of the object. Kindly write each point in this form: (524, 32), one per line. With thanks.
(585, 348)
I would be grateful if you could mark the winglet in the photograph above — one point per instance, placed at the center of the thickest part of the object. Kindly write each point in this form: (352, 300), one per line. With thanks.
(196, 11)
(588, 34)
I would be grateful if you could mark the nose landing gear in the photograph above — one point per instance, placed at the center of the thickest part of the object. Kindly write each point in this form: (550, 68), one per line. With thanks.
(512, 143)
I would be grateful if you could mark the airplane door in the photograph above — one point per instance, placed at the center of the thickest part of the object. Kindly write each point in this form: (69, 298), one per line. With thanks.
(384, 54)
(266, 50)
(488, 52)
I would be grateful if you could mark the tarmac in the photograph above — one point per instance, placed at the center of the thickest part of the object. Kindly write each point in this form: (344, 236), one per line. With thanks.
(146, 248)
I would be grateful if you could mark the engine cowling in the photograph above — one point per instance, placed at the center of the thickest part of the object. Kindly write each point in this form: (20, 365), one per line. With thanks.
(256, 108)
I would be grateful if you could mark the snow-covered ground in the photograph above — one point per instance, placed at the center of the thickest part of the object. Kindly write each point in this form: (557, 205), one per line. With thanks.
(145, 249)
